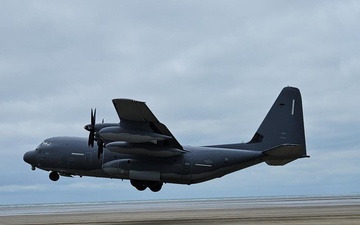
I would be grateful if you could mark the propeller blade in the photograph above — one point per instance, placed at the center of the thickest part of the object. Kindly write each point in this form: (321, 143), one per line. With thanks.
(100, 148)
(91, 128)
(93, 117)
(91, 139)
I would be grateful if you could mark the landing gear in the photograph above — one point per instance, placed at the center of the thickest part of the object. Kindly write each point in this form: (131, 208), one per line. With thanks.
(54, 176)
(140, 185)
(155, 186)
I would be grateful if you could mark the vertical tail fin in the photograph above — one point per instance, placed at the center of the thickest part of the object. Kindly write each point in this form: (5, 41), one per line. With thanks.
(281, 135)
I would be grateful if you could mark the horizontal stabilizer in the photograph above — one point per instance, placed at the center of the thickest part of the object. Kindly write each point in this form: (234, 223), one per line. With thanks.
(283, 154)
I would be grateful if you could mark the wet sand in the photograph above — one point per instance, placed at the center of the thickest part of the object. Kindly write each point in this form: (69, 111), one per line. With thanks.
(339, 210)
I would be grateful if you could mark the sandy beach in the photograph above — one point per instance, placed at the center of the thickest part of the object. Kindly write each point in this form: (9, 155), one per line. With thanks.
(324, 210)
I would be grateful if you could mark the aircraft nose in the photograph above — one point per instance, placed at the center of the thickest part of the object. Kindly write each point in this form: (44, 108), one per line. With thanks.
(30, 157)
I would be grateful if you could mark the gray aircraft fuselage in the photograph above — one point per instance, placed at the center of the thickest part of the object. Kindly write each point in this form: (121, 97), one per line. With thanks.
(142, 150)
(72, 156)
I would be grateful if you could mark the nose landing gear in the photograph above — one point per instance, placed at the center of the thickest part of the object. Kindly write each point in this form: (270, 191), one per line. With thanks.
(54, 176)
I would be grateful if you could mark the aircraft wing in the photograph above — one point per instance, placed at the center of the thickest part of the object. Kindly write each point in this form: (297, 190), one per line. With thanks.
(133, 110)
(130, 110)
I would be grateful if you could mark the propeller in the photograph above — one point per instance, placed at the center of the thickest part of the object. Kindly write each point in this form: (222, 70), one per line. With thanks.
(100, 144)
(91, 128)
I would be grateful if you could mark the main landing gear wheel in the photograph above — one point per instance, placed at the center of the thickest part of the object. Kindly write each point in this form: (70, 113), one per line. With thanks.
(54, 176)
(155, 186)
(140, 185)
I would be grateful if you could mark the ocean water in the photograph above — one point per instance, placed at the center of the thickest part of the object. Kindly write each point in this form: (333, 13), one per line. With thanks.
(180, 204)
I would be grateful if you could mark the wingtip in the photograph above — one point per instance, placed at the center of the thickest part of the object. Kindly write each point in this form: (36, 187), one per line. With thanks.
(126, 99)
(290, 88)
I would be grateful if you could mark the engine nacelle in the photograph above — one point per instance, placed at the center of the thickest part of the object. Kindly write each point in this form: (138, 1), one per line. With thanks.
(119, 167)
(117, 133)
(143, 149)
(123, 168)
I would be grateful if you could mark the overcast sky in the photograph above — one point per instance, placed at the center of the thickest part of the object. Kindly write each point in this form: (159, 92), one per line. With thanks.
(209, 70)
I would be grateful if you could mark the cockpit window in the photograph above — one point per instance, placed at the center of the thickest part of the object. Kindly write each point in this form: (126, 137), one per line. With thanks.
(45, 143)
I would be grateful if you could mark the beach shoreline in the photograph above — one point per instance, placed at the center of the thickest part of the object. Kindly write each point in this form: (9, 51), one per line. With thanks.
(286, 210)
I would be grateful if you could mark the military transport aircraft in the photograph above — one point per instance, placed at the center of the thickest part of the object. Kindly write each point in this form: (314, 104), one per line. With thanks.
(142, 149)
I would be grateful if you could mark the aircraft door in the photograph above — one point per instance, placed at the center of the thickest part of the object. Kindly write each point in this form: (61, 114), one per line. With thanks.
(76, 160)
(187, 170)
(181, 170)
(177, 167)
